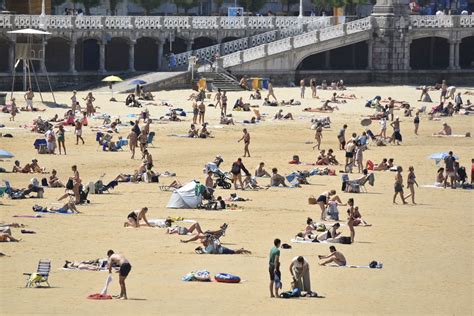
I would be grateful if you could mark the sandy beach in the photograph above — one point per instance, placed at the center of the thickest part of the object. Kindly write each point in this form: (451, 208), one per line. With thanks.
(426, 249)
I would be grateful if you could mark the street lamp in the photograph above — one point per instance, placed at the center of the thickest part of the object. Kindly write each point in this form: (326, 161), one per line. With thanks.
(42, 19)
(301, 9)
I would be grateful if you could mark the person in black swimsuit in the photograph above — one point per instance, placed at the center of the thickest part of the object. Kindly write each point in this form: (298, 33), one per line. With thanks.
(133, 219)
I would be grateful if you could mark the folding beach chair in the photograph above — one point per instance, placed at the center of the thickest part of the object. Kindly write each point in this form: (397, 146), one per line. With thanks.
(149, 140)
(41, 275)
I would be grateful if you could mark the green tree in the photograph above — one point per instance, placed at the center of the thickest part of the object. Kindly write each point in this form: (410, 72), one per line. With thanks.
(88, 4)
(252, 5)
(185, 4)
(149, 5)
(321, 5)
(351, 6)
(113, 6)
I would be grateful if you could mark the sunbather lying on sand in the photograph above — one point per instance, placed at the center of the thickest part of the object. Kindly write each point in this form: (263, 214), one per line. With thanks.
(5, 237)
(279, 116)
(310, 234)
(213, 246)
(202, 235)
(69, 207)
(324, 108)
(334, 99)
(182, 230)
(343, 95)
(92, 265)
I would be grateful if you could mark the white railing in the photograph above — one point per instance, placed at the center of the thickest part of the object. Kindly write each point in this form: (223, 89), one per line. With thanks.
(233, 46)
(256, 40)
(466, 21)
(232, 59)
(158, 22)
(331, 32)
(254, 53)
(118, 22)
(287, 44)
(88, 22)
(205, 22)
(279, 46)
(431, 21)
(148, 22)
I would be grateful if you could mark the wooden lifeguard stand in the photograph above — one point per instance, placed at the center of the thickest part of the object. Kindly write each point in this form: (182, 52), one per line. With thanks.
(27, 53)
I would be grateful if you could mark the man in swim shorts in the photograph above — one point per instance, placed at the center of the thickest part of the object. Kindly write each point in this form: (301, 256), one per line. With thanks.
(335, 256)
(274, 267)
(125, 267)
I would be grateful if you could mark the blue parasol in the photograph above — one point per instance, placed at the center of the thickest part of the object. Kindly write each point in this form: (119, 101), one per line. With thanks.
(138, 81)
(440, 156)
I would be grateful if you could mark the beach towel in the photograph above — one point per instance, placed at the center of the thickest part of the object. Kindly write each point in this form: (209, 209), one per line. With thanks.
(301, 241)
(454, 135)
(180, 135)
(98, 296)
(379, 265)
(106, 286)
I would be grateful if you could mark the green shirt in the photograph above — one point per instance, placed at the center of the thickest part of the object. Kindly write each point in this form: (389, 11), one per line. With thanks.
(273, 253)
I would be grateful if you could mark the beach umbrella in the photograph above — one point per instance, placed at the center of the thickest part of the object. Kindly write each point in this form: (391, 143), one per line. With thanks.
(6, 154)
(138, 82)
(440, 156)
(112, 79)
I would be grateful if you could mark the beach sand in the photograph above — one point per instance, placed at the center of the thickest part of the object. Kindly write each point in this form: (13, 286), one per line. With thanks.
(426, 249)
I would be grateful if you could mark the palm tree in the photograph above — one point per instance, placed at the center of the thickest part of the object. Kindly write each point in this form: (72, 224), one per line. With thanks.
(149, 5)
(113, 6)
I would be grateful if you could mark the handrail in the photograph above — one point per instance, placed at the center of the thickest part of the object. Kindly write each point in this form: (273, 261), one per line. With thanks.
(307, 38)
(252, 41)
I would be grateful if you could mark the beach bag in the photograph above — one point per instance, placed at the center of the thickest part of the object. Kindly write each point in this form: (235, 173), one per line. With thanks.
(312, 200)
(69, 184)
(44, 182)
(345, 240)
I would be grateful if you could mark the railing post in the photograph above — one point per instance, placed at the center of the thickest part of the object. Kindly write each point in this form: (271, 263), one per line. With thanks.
(73, 22)
(292, 41)
(265, 50)
(344, 28)
(318, 36)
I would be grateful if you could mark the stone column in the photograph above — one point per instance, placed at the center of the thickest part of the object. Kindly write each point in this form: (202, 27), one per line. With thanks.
(456, 55)
(161, 45)
(431, 48)
(370, 46)
(72, 56)
(131, 56)
(43, 59)
(102, 57)
(327, 60)
(452, 45)
(11, 56)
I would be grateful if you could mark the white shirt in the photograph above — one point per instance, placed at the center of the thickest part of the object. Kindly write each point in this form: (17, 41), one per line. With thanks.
(298, 265)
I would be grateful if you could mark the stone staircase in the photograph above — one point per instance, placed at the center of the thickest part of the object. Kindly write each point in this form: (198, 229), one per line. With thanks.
(219, 80)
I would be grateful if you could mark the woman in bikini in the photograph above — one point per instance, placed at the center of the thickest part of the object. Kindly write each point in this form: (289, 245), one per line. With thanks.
(323, 200)
(318, 136)
(351, 218)
(134, 218)
(61, 139)
(411, 181)
(89, 105)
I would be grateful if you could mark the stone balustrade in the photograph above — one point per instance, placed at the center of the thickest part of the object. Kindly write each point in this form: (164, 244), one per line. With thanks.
(304, 39)
(441, 21)
(156, 22)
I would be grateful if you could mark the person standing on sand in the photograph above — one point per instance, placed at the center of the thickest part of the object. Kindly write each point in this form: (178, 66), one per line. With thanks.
(125, 267)
(302, 88)
(132, 142)
(236, 169)
(399, 186)
(217, 98)
(351, 218)
(271, 93)
(78, 132)
(416, 121)
(29, 95)
(61, 139)
(450, 172)
(202, 112)
(318, 136)
(74, 101)
(397, 136)
(224, 104)
(411, 181)
(312, 83)
(274, 268)
(13, 110)
(342, 137)
(246, 139)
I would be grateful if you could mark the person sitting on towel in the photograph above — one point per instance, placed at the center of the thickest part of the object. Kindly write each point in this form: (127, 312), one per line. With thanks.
(336, 256)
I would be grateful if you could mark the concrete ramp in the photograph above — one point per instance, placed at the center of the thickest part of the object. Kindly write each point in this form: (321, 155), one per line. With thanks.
(154, 81)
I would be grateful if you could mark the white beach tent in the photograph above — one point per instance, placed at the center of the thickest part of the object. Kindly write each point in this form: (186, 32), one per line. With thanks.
(185, 197)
